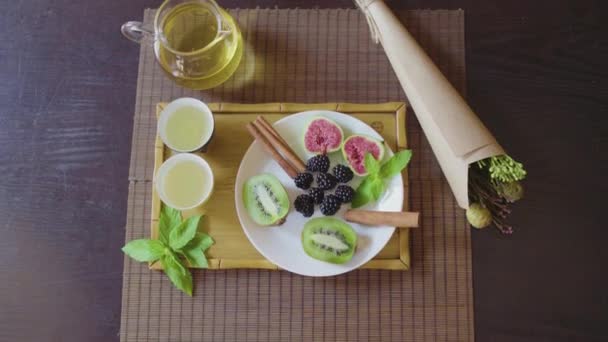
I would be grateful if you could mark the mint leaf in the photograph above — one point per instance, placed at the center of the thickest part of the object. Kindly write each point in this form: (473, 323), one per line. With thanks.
(372, 166)
(377, 188)
(194, 250)
(195, 257)
(169, 219)
(144, 250)
(363, 194)
(179, 275)
(373, 185)
(180, 266)
(360, 199)
(395, 164)
(201, 240)
(183, 233)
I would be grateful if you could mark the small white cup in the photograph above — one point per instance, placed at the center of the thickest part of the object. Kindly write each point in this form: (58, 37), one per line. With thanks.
(172, 107)
(162, 171)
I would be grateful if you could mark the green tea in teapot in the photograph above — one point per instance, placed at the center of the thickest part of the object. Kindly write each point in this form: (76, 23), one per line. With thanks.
(200, 45)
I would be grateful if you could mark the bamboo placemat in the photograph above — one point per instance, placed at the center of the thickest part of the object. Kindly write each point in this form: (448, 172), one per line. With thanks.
(298, 55)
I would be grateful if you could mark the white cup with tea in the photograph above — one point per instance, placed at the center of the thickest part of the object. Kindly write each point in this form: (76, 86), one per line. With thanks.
(184, 181)
(186, 125)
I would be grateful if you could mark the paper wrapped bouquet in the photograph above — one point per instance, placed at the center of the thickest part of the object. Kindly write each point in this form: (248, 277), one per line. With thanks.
(457, 136)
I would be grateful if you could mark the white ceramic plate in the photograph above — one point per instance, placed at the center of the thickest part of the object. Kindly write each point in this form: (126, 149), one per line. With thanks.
(281, 244)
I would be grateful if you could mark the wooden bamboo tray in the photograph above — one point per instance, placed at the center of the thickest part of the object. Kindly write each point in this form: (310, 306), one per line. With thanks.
(232, 249)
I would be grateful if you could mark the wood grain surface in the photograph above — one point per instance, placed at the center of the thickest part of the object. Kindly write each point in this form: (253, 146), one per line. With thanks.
(536, 75)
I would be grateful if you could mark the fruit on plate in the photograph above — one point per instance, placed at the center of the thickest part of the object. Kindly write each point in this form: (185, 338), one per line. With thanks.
(316, 194)
(326, 181)
(265, 199)
(330, 205)
(329, 239)
(318, 163)
(345, 193)
(322, 136)
(305, 205)
(303, 180)
(343, 173)
(354, 149)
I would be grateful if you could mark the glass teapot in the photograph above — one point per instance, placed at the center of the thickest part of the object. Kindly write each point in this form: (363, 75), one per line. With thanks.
(196, 42)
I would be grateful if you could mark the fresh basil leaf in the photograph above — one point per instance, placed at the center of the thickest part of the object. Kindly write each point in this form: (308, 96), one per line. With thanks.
(144, 250)
(377, 188)
(360, 199)
(179, 275)
(363, 194)
(201, 240)
(196, 257)
(194, 250)
(169, 219)
(396, 164)
(183, 233)
(372, 166)
(180, 265)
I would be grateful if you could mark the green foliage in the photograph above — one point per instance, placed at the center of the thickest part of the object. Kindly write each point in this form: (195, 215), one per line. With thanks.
(373, 185)
(175, 238)
(144, 250)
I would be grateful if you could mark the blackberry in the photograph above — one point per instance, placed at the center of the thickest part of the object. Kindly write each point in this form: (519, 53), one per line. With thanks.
(343, 173)
(304, 205)
(319, 163)
(326, 181)
(303, 180)
(345, 193)
(330, 205)
(317, 195)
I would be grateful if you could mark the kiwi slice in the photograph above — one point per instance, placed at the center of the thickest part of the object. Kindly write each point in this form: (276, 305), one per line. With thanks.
(265, 199)
(329, 239)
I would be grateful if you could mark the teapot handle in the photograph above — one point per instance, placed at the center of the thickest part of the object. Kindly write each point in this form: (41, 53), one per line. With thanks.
(136, 31)
(223, 29)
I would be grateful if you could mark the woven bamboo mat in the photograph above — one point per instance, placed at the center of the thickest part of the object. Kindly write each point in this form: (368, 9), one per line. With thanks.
(298, 55)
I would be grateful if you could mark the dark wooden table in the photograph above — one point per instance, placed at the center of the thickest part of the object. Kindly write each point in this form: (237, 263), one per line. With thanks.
(537, 75)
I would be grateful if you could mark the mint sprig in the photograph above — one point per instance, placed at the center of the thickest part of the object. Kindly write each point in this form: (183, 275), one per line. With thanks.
(178, 242)
(373, 185)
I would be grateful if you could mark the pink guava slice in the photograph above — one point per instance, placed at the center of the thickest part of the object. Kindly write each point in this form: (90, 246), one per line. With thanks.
(354, 149)
(322, 136)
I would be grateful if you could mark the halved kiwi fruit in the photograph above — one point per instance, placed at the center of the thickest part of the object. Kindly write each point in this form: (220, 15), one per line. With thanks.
(265, 199)
(329, 239)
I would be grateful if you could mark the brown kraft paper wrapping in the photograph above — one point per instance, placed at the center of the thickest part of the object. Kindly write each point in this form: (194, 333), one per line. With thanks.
(457, 136)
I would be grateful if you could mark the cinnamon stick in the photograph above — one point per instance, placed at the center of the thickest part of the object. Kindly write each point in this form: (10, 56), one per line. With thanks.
(268, 125)
(280, 143)
(400, 219)
(270, 149)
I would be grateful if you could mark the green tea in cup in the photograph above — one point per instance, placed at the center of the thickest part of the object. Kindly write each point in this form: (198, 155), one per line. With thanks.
(186, 125)
(184, 181)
